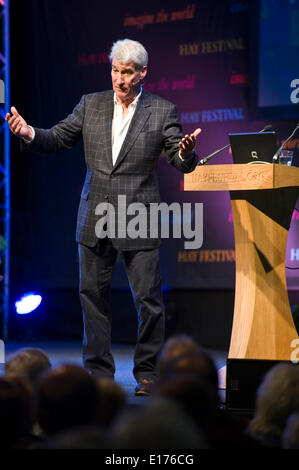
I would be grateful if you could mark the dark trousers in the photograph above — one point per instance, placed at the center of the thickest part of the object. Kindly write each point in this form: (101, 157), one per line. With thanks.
(143, 272)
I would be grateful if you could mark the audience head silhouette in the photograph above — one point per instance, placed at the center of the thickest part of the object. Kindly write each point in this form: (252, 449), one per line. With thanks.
(277, 398)
(31, 362)
(16, 411)
(67, 396)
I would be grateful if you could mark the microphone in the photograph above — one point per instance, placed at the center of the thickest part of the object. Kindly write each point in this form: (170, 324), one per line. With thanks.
(206, 159)
(266, 128)
(278, 152)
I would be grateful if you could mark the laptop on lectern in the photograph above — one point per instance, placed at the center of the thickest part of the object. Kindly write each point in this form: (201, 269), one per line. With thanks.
(253, 147)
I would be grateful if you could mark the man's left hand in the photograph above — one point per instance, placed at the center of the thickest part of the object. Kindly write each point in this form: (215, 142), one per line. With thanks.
(187, 143)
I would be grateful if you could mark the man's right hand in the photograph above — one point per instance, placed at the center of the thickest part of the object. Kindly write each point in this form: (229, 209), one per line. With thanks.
(18, 125)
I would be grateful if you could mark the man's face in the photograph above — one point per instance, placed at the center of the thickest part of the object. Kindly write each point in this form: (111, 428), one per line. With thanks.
(126, 80)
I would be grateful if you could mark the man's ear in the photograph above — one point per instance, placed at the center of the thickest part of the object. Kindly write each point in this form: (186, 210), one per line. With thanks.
(143, 72)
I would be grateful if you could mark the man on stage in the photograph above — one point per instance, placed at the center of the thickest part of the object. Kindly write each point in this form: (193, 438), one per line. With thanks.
(124, 131)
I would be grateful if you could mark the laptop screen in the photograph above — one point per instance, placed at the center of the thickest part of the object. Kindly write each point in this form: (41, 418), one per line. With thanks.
(253, 147)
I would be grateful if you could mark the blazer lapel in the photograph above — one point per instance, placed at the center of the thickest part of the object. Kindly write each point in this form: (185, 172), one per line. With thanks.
(140, 117)
(107, 129)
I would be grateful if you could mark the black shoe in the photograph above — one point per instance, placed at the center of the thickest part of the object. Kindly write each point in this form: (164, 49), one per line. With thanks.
(144, 387)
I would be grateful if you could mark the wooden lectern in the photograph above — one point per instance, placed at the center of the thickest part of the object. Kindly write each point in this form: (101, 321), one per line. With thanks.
(263, 198)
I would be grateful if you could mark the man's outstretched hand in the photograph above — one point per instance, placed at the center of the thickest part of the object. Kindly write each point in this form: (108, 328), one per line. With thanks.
(188, 142)
(18, 125)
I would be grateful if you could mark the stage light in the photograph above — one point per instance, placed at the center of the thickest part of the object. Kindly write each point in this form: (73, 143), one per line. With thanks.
(28, 303)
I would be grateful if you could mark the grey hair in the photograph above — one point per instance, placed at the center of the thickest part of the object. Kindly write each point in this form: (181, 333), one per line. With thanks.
(276, 398)
(290, 436)
(127, 50)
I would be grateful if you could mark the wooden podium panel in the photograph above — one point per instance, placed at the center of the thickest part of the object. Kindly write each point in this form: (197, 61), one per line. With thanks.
(263, 198)
(241, 177)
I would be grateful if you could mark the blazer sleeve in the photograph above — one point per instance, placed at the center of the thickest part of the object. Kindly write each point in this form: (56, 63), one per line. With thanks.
(172, 133)
(65, 134)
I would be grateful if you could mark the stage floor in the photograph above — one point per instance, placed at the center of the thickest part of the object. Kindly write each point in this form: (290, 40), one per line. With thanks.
(70, 353)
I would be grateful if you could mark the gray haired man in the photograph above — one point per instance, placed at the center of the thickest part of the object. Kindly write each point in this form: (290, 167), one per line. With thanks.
(124, 132)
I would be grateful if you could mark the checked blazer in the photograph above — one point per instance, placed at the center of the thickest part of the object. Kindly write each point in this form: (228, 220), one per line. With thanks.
(154, 128)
